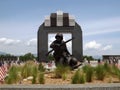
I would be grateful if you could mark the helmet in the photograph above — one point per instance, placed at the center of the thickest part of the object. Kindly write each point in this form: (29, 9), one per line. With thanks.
(60, 35)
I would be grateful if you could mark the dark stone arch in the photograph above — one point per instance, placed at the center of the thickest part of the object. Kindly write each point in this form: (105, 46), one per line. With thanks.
(45, 29)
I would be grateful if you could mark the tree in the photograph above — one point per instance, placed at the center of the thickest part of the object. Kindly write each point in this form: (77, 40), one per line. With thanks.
(26, 57)
(88, 57)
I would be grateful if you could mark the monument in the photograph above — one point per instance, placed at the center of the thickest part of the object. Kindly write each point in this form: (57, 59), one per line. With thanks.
(59, 23)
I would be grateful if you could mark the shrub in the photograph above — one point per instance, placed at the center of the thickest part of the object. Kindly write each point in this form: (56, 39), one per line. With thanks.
(29, 69)
(75, 78)
(34, 79)
(82, 78)
(100, 72)
(26, 70)
(108, 68)
(112, 70)
(106, 65)
(78, 78)
(41, 78)
(88, 72)
(115, 70)
(61, 70)
(14, 76)
(118, 75)
(35, 73)
(64, 76)
(41, 68)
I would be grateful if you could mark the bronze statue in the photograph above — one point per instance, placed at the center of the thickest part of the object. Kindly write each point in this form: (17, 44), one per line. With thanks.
(61, 53)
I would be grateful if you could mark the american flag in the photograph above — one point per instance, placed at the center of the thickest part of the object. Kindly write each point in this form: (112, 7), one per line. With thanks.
(3, 71)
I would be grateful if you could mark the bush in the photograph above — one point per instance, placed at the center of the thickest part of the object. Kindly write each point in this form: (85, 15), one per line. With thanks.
(78, 78)
(115, 70)
(88, 72)
(29, 69)
(41, 68)
(14, 75)
(118, 75)
(26, 70)
(35, 73)
(108, 68)
(34, 79)
(61, 71)
(82, 78)
(100, 72)
(64, 76)
(41, 78)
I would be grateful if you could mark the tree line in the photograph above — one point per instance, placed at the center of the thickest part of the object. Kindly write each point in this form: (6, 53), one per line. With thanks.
(25, 57)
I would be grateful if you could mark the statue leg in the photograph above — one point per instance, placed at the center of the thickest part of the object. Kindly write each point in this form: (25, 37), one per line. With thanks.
(73, 62)
(57, 59)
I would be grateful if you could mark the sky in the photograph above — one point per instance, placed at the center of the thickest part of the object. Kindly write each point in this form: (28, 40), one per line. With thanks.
(99, 20)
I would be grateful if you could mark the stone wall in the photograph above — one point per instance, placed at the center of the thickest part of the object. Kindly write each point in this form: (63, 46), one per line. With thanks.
(111, 86)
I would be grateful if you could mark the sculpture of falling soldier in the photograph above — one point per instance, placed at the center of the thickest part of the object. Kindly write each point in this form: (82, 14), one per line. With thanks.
(61, 54)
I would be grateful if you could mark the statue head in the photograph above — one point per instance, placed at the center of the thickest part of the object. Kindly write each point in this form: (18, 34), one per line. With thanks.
(59, 36)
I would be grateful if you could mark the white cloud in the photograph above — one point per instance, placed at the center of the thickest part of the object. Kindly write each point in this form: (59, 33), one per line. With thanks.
(96, 46)
(92, 45)
(32, 42)
(8, 41)
(108, 47)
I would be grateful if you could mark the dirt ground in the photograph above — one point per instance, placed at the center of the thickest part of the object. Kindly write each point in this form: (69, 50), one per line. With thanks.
(50, 79)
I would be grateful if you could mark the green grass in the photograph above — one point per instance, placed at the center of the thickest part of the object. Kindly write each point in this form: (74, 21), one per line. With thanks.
(85, 74)
(112, 70)
(64, 76)
(78, 77)
(108, 68)
(26, 70)
(41, 67)
(14, 75)
(41, 78)
(61, 71)
(29, 69)
(100, 72)
(89, 71)
(34, 74)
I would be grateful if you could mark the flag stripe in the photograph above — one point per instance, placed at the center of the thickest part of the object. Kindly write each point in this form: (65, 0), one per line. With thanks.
(3, 72)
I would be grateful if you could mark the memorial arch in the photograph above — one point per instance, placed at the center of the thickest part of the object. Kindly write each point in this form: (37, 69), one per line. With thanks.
(62, 23)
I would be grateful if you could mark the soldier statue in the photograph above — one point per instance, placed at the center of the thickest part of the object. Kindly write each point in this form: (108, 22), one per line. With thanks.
(61, 53)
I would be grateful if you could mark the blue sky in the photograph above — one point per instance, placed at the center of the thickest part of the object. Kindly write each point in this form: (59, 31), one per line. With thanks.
(99, 20)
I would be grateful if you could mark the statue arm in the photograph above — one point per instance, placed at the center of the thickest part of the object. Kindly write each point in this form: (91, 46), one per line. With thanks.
(54, 45)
